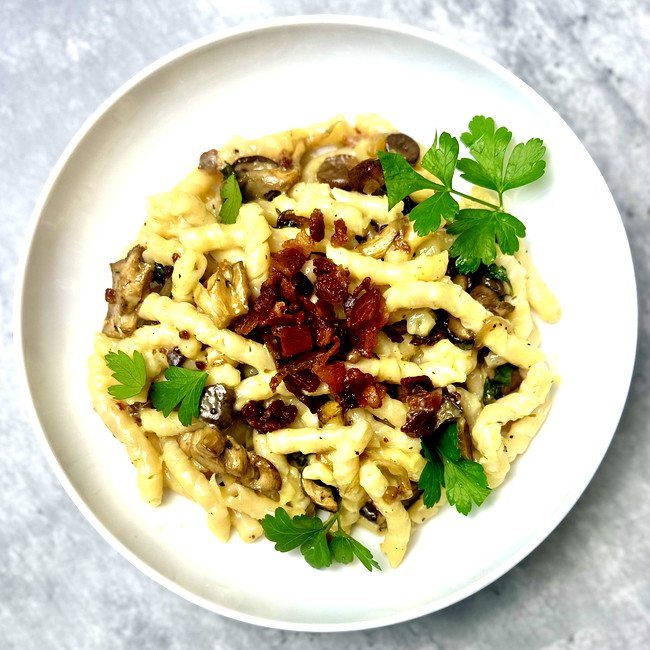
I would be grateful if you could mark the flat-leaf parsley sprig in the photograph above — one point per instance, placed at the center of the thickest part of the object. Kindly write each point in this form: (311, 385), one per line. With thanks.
(478, 230)
(131, 373)
(310, 534)
(184, 387)
(464, 480)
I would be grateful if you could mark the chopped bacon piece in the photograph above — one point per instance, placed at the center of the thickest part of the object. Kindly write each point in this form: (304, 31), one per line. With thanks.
(245, 324)
(417, 385)
(333, 375)
(331, 280)
(288, 261)
(302, 242)
(306, 380)
(276, 415)
(317, 225)
(366, 318)
(421, 416)
(340, 236)
(352, 387)
(294, 339)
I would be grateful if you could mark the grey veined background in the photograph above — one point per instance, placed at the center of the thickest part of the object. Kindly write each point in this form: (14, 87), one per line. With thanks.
(586, 586)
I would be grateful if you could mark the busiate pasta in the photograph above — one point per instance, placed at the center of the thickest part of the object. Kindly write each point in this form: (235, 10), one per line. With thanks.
(319, 317)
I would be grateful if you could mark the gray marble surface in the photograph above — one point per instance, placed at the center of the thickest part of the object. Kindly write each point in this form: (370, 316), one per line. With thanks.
(586, 586)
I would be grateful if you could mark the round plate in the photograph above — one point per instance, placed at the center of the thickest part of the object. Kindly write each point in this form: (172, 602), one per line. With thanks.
(259, 81)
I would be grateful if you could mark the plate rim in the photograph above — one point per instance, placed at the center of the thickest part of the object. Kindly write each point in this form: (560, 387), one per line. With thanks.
(214, 38)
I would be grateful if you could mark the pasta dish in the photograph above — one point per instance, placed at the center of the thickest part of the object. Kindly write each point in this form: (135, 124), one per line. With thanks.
(290, 342)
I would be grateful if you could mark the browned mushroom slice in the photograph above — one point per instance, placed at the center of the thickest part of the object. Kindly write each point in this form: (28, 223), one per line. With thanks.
(378, 246)
(216, 405)
(367, 177)
(262, 178)
(458, 330)
(322, 495)
(335, 171)
(225, 295)
(211, 162)
(404, 144)
(131, 279)
(222, 455)
(465, 440)
(490, 300)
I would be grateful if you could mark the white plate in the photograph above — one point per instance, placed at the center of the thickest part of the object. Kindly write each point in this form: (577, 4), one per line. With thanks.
(259, 81)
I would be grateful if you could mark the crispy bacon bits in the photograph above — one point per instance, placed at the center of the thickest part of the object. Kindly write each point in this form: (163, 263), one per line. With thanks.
(317, 225)
(428, 407)
(340, 236)
(303, 327)
(352, 387)
(277, 415)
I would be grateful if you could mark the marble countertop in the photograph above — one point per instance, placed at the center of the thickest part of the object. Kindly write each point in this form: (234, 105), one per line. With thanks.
(586, 586)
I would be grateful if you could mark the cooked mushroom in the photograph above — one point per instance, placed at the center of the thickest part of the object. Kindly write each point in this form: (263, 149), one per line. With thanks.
(490, 300)
(465, 440)
(216, 405)
(322, 495)
(450, 409)
(404, 144)
(211, 162)
(461, 280)
(222, 455)
(262, 178)
(330, 412)
(378, 246)
(131, 279)
(225, 294)
(368, 177)
(335, 171)
(458, 330)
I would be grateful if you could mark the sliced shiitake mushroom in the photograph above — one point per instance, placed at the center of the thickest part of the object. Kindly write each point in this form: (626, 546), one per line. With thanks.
(322, 495)
(216, 406)
(405, 145)
(490, 300)
(210, 161)
(222, 455)
(131, 283)
(368, 177)
(335, 171)
(465, 440)
(378, 246)
(260, 177)
(225, 294)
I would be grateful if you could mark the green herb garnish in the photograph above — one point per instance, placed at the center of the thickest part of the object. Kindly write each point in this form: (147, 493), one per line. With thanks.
(498, 273)
(478, 230)
(464, 480)
(182, 387)
(231, 195)
(131, 373)
(494, 388)
(310, 534)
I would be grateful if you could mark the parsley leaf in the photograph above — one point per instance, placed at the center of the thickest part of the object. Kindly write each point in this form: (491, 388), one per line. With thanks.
(232, 199)
(488, 148)
(316, 550)
(493, 389)
(130, 373)
(184, 387)
(343, 547)
(465, 481)
(431, 478)
(441, 159)
(525, 164)
(310, 534)
(478, 233)
(498, 273)
(426, 215)
(401, 179)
